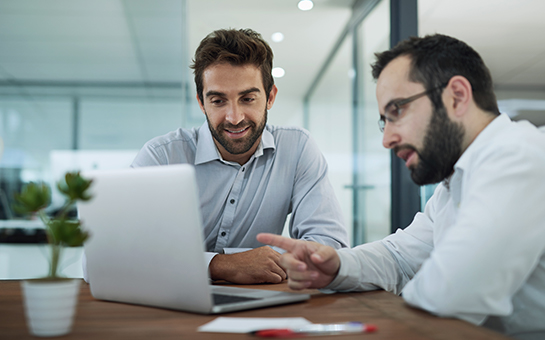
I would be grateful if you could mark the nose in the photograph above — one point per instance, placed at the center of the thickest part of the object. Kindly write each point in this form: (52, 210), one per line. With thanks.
(235, 114)
(389, 137)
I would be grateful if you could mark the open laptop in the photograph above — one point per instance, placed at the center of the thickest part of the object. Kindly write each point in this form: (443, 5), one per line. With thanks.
(146, 245)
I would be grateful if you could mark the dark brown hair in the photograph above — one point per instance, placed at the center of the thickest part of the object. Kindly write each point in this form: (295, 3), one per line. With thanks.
(236, 47)
(437, 58)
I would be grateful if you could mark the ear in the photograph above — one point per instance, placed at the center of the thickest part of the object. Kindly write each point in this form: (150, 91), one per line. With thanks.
(272, 97)
(201, 105)
(459, 95)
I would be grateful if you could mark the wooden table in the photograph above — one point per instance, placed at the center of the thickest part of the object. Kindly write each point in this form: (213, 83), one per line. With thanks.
(109, 320)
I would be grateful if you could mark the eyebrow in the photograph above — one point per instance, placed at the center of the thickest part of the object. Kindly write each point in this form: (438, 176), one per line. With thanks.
(392, 102)
(250, 90)
(386, 106)
(215, 93)
(241, 93)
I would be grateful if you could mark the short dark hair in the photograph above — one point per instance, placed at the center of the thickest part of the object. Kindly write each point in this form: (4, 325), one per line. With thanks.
(236, 47)
(437, 58)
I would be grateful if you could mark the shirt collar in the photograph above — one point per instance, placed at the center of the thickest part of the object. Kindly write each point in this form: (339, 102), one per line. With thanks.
(207, 150)
(454, 182)
(499, 123)
(267, 140)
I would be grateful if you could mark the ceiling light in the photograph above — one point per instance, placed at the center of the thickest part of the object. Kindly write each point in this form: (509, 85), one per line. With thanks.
(278, 72)
(277, 37)
(305, 5)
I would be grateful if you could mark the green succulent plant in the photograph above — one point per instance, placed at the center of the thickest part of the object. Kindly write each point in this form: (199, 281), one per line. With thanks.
(60, 230)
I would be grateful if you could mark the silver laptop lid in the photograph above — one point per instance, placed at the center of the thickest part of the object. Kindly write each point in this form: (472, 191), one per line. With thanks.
(142, 221)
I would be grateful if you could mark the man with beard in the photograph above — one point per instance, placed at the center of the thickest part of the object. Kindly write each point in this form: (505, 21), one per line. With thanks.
(477, 252)
(250, 175)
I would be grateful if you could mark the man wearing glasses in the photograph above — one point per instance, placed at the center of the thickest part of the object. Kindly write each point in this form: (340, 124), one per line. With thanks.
(477, 252)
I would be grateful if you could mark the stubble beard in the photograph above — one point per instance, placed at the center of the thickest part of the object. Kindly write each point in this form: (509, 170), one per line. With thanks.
(241, 145)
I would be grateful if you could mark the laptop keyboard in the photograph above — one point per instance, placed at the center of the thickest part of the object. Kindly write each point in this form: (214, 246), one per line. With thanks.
(222, 299)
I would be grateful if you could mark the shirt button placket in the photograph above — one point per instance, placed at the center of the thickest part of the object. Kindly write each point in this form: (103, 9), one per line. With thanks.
(229, 213)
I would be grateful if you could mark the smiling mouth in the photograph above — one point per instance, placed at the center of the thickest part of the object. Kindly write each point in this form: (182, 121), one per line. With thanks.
(238, 131)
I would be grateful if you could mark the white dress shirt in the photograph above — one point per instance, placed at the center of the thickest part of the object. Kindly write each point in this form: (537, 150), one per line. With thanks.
(477, 252)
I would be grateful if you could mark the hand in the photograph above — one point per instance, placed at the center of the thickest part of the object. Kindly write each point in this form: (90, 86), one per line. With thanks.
(260, 265)
(308, 264)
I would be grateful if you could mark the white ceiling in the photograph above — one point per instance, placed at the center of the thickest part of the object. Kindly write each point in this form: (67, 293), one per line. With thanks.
(506, 33)
(508, 36)
(141, 40)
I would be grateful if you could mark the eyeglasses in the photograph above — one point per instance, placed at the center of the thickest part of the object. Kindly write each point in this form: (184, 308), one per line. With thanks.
(393, 111)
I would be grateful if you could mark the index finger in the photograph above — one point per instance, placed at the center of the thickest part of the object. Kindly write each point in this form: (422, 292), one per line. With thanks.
(277, 241)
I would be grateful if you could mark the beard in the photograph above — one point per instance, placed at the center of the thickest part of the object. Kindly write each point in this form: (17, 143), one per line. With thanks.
(442, 149)
(240, 145)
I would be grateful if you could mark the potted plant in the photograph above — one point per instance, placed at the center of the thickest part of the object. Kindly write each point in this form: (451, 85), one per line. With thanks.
(50, 301)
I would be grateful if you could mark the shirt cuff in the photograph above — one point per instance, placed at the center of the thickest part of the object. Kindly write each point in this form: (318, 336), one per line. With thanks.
(240, 250)
(208, 258)
(235, 250)
(344, 281)
(366, 267)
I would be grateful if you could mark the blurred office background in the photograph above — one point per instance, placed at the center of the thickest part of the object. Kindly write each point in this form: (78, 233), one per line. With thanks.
(84, 84)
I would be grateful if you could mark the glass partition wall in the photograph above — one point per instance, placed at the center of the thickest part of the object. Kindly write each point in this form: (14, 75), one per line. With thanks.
(342, 116)
(35, 127)
(374, 184)
(330, 123)
(87, 100)
(80, 90)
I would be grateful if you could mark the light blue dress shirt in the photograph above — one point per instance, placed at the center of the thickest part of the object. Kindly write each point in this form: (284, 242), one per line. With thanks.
(287, 174)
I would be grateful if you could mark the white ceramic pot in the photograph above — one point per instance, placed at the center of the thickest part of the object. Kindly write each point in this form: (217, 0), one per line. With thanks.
(50, 306)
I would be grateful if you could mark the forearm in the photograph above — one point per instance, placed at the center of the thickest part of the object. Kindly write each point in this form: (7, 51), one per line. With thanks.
(219, 267)
(368, 267)
(259, 265)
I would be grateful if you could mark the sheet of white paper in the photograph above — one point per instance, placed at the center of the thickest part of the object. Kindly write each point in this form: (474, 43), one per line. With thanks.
(246, 325)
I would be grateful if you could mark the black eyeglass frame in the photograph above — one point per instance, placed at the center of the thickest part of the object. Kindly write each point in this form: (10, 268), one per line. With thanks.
(400, 103)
